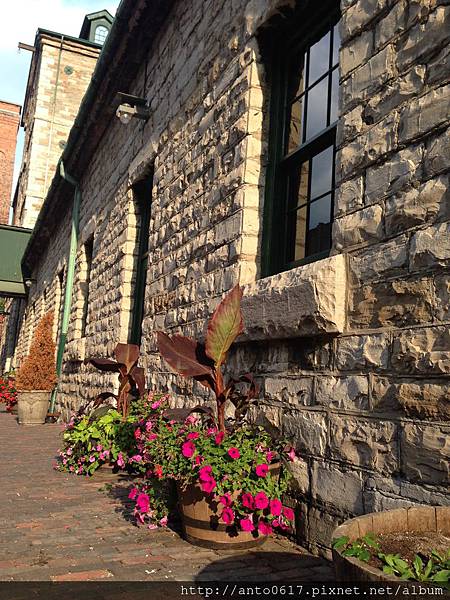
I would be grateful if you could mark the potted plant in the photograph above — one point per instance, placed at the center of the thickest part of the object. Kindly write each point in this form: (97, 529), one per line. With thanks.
(8, 392)
(36, 377)
(228, 474)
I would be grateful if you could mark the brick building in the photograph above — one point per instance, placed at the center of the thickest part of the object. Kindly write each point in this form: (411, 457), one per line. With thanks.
(300, 149)
(9, 125)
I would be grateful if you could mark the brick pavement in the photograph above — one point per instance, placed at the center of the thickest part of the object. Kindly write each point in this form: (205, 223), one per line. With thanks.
(58, 527)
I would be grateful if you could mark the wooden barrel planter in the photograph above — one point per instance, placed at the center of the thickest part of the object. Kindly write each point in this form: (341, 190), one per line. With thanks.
(418, 520)
(202, 525)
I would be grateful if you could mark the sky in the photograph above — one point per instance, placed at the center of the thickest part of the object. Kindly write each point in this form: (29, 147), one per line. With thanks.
(19, 22)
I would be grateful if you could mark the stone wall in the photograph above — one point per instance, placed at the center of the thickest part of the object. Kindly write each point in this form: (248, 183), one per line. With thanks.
(351, 351)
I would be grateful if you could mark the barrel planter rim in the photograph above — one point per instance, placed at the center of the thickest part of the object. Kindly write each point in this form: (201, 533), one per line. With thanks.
(414, 519)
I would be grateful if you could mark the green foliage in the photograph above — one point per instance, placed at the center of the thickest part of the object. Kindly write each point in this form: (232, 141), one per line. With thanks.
(430, 569)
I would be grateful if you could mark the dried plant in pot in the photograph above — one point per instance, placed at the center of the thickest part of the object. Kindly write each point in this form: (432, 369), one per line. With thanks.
(36, 377)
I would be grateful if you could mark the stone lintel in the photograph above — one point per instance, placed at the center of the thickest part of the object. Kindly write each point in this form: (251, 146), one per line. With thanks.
(306, 301)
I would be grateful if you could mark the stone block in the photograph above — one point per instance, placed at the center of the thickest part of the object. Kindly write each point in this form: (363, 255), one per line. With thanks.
(438, 69)
(364, 443)
(425, 453)
(417, 206)
(442, 289)
(431, 247)
(359, 15)
(380, 261)
(341, 489)
(357, 352)
(421, 41)
(424, 114)
(413, 398)
(349, 196)
(392, 24)
(393, 175)
(350, 392)
(422, 350)
(305, 301)
(289, 390)
(397, 303)
(363, 226)
(300, 482)
(321, 525)
(306, 430)
(437, 155)
(355, 53)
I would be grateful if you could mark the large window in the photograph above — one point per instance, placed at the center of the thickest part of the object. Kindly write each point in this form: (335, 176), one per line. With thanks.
(142, 192)
(88, 252)
(300, 185)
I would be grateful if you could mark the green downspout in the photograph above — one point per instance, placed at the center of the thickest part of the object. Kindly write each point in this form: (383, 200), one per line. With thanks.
(69, 277)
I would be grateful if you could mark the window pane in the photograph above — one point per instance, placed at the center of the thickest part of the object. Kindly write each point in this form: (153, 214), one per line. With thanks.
(296, 83)
(322, 172)
(319, 59)
(316, 118)
(336, 44)
(298, 186)
(297, 234)
(295, 125)
(334, 95)
(319, 225)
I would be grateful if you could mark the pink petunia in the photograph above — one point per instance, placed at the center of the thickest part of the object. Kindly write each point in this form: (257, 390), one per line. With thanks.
(288, 513)
(275, 507)
(143, 503)
(133, 493)
(199, 459)
(193, 435)
(269, 456)
(291, 454)
(248, 501)
(247, 525)
(158, 471)
(152, 436)
(120, 461)
(136, 458)
(261, 501)
(163, 522)
(148, 425)
(264, 527)
(226, 499)
(262, 470)
(156, 404)
(219, 437)
(191, 419)
(275, 523)
(204, 473)
(99, 447)
(188, 449)
(208, 486)
(92, 459)
(234, 453)
(211, 431)
(227, 516)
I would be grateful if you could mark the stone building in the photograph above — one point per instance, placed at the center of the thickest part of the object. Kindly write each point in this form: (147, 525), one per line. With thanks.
(9, 125)
(300, 149)
(60, 71)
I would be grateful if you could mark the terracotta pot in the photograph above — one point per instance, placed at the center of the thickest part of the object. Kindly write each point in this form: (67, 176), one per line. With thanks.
(32, 407)
(415, 519)
(202, 525)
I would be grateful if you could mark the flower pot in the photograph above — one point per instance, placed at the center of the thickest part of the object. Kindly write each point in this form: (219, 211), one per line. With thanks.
(32, 407)
(202, 525)
(412, 520)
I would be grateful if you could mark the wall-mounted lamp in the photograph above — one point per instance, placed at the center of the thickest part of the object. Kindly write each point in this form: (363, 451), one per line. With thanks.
(132, 107)
(29, 282)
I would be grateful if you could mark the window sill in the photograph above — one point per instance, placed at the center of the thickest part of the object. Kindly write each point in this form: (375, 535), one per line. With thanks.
(306, 301)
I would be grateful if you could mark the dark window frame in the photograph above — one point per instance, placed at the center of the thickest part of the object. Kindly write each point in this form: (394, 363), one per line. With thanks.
(142, 193)
(282, 42)
(88, 255)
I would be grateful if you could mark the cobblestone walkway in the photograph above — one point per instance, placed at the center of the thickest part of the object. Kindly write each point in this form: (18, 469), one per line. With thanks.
(56, 527)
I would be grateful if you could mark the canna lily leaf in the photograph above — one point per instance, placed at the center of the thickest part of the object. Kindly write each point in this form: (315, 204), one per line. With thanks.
(184, 355)
(138, 375)
(127, 354)
(104, 364)
(224, 326)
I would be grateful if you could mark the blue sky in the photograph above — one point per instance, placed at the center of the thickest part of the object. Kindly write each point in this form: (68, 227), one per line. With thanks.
(19, 24)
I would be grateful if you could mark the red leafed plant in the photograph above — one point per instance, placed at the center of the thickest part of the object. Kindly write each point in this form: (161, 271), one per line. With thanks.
(131, 377)
(204, 362)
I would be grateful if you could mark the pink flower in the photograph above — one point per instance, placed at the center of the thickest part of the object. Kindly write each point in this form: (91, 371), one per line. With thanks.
(219, 437)
(262, 470)
(288, 513)
(152, 526)
(193, 435)
(188, 449)
(133, 493)
(264, 527)
(227, 516)
(163, 522)
(291, 454)
(92, 459)
(247, 525)
(208, 486)
(225, 499)
(148, 425)
(261, 501)
(158, 471)
(248, 501)
(156, 404)
(275, 507)
(191, 419)
(99, 448)
(120, 461)
(234, 453)
(137, 434)
(143, 503)
(199, 459)
(69, 451)
(211, 431)
(275, 523)
(136, 458)
(205, 473)
(152, 436)
(269, 456)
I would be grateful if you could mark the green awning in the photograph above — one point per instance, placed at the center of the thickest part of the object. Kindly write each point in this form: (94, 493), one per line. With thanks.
(13, 241)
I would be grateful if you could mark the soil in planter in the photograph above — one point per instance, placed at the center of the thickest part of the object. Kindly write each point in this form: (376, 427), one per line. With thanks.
(407, 545)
